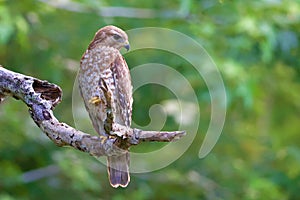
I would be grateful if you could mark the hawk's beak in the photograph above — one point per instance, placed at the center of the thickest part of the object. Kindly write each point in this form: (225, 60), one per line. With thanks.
(127, 46)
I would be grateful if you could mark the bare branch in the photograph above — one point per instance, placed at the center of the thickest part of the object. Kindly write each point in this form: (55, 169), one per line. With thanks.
(36, 174)
(135, 135)
(41, 97)
(106, 11)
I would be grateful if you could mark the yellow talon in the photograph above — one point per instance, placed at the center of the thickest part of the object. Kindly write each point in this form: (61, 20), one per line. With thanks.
(95, 100)
(111, 137)
(103, 139)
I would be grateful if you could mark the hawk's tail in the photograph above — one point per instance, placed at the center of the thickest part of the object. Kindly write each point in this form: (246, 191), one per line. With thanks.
(118, 170)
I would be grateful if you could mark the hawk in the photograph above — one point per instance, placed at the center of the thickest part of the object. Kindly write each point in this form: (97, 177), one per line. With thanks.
(105, 86)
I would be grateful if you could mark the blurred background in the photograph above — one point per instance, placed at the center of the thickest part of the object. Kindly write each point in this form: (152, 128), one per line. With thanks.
(256, 48)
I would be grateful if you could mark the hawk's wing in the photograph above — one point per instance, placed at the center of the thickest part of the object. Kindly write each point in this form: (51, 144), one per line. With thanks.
(121, 101)
(123, 92)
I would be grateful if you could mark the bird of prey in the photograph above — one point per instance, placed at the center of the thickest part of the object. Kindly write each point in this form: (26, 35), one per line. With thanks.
(105, 86)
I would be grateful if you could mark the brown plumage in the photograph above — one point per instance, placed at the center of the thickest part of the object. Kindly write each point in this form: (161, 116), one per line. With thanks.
(105, 86)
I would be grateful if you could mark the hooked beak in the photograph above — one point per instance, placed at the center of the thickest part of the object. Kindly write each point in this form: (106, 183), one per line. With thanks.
(127, 46)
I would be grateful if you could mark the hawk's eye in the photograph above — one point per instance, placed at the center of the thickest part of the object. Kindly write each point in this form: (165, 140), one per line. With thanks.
(116, 36)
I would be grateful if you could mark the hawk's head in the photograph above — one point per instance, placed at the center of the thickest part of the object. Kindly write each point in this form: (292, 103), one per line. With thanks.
(110, 36)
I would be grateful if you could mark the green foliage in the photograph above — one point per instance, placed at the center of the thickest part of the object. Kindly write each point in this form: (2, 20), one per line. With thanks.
(255, 46)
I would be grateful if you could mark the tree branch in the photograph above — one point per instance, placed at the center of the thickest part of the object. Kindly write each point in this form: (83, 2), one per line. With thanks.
(109, 11)
(41, 97)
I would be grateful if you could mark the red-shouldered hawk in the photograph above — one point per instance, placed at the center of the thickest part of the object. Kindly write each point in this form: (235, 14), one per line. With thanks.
(105, 86)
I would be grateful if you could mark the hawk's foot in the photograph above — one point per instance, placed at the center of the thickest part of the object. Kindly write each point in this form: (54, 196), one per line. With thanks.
(95, 100)
(103, 139)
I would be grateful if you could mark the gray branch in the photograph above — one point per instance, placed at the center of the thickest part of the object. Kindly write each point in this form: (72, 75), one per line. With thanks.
(41, 97)
(107, 11)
